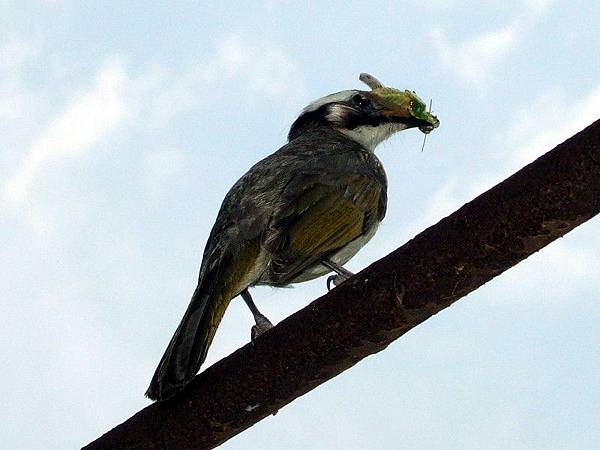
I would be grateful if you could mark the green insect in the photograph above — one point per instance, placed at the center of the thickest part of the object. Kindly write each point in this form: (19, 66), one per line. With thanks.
(408, 100)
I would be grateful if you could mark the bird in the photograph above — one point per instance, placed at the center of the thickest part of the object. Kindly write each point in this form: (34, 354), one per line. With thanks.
(298, 214)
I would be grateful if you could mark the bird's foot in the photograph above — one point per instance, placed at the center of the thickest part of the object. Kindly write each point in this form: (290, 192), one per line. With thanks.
(334, 281)
(340, 276)
(262, 324)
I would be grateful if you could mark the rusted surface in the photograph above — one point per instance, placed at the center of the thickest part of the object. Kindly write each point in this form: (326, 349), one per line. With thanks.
(492, 233)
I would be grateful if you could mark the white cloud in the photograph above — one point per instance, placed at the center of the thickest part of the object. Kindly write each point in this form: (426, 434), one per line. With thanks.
(444, 202)
(564, 266)
(473, 59)
(562, 117)
(537, 5)
(258, 70)
(91, 116)
(15, 54)
(14, 100)
(164, 163)
(162, 168)
(268, 70)
(573, 258)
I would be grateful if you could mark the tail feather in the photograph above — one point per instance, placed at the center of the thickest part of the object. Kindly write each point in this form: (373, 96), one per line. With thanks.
(223, 277)
(189, 345)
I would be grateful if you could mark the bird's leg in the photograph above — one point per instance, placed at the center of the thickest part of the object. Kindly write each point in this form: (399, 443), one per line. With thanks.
(262, 323)
(341, 273)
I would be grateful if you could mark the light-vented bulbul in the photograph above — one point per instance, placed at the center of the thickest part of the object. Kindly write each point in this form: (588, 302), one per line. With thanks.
(298, 214)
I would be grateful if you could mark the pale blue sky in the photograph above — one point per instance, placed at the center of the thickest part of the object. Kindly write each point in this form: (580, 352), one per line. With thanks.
(122, 126)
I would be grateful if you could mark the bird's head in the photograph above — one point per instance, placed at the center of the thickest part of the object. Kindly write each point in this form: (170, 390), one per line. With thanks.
(368, 117)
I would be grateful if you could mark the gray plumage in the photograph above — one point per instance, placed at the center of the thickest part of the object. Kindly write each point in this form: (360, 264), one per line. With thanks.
(261, 206)
(265, 201)
(299, 212)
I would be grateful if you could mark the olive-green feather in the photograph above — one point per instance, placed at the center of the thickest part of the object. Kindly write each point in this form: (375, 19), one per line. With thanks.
(326, 217)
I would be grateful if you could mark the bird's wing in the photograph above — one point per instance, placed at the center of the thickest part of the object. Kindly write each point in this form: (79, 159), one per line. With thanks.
(320, 215)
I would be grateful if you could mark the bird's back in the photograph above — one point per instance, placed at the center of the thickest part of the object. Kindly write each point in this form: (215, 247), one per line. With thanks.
(309, 199)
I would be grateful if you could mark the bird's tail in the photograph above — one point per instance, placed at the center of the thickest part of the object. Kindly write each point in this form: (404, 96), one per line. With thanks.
(189, 345)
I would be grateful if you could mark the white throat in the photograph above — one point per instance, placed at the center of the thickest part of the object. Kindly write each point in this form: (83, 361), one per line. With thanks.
(369, 136)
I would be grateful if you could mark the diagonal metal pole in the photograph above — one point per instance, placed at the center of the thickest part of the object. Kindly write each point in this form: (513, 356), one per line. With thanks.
(485, 237)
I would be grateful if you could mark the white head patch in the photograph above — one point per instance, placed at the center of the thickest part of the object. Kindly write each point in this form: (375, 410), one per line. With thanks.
(342, 96)
(366, 135)
(369, 136)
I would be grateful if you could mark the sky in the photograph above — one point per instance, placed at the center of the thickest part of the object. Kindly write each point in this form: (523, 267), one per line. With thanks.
(124, 124)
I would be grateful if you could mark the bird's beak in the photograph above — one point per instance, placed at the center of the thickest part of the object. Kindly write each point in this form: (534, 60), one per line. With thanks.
(404, 107)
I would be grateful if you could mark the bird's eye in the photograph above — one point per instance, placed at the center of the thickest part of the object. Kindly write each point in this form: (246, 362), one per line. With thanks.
(361, 101)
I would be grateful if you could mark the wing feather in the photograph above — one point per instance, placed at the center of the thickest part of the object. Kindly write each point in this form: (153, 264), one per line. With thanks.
(324, 215)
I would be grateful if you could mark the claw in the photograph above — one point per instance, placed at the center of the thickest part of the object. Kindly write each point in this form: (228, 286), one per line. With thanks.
(262, 324)
(334, 280)
(340, 276)
(330, 281)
